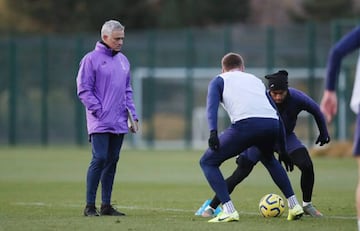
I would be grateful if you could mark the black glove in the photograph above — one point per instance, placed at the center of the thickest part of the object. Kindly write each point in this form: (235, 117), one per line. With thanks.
(214, 143)
(285, 158)
(322, 139)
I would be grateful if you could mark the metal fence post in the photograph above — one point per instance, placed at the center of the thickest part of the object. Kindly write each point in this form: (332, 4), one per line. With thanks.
(79, 108)
(44, 90)
(311, 35)
(227, 39)
(189, 88)
(336, 35)
(12, 92)
(228, 46)
(270, 47)
(151, 89)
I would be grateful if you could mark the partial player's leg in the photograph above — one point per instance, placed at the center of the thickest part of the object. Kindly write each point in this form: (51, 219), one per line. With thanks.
(357, 193)
(234, 140)
(108, 175)
(280, 177)
(302, 160)
(243, 169)
(356, 152)
(230, 144)
(211, 160)
(100, 146)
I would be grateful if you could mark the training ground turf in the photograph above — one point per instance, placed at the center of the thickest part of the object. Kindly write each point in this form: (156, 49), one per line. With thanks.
(44, 189)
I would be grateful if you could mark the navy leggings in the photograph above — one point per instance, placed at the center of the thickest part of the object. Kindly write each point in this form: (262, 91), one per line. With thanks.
(105, 155)
(259, 132)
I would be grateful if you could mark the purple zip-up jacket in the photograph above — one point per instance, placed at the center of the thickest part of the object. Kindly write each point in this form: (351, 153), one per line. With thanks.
(104, 87)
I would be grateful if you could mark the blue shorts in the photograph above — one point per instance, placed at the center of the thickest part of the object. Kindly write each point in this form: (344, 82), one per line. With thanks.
(356, 149)
(292, 143)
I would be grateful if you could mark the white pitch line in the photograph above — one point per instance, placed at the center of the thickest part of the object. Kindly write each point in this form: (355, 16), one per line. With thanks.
(42, 204)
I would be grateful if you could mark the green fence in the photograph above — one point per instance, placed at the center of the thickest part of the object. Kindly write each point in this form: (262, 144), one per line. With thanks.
(38, 89)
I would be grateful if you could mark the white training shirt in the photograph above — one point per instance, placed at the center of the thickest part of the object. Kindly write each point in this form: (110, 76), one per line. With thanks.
(244, 96)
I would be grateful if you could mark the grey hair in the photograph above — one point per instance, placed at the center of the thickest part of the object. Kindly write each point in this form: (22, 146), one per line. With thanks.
(110, 26)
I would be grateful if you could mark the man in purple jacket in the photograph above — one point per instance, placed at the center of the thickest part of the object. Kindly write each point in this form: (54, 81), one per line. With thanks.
(290, 102)
(104, 87)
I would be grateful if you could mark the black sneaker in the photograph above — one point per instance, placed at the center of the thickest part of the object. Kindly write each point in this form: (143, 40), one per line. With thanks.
(91, 211)
(108, 210)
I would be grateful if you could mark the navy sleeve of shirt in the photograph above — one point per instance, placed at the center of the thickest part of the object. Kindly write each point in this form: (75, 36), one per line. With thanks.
(309, 105)
(214, 97)
(344, 46)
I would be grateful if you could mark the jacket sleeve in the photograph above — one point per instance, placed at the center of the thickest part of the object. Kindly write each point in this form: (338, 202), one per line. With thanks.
(129, 97)
(86, 87)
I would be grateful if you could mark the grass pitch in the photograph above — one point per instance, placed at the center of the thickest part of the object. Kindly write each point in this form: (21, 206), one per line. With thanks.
(44, 189)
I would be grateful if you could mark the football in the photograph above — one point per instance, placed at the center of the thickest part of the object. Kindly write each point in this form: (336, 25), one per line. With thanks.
(271, 205)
